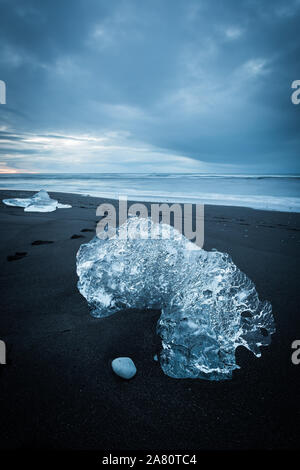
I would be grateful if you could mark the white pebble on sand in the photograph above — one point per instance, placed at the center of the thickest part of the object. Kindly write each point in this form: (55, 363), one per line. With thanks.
(124, 367)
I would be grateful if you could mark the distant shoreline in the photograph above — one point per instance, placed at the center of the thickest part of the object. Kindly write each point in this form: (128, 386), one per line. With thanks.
(19, 193)
(264, 192)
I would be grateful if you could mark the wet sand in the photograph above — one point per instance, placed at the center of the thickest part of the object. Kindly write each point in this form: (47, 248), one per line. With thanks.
(58, 390)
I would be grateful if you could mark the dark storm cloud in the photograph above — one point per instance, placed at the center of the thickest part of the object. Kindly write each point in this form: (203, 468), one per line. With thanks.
(133, 85)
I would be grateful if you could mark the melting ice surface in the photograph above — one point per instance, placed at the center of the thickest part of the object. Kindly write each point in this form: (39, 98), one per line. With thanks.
(208, 306)
(39, 202)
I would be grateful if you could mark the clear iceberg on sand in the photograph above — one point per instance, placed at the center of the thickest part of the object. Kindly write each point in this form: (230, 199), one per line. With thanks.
(39, 202)
(208, 306)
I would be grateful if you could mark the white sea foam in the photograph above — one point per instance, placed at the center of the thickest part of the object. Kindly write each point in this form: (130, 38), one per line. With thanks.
(270, 192)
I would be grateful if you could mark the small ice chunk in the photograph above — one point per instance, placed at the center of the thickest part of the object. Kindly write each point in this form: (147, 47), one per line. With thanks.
(39, 202)
(155, 357)
(124, 367)
(63, 206)
(18, 202)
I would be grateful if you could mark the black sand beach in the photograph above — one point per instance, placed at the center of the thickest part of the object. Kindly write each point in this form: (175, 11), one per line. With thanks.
(58, 390)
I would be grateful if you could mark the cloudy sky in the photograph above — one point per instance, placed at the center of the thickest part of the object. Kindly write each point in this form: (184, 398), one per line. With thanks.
(149, 85)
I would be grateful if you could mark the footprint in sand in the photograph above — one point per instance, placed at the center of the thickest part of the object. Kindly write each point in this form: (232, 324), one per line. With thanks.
(17, 255)
(41, 242)
(73, 237)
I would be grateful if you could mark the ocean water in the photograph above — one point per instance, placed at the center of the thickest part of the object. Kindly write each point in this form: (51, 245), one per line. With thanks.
(272, 192)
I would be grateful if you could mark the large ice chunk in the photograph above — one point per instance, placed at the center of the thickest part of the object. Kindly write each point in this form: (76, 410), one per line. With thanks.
(209, 307)
(39, 202)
